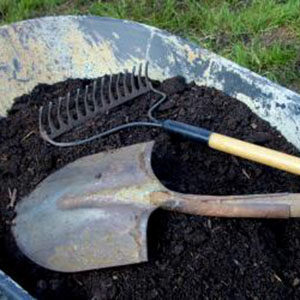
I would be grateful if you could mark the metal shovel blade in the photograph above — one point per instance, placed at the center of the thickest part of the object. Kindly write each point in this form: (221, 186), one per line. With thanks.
(91, 214)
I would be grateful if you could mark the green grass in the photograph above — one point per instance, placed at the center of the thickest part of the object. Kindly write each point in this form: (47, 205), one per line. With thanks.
(263, 35)
(16, 10)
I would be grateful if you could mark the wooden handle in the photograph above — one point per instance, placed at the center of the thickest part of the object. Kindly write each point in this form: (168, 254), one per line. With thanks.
(233, 146)
(255, 153)
(242, 206)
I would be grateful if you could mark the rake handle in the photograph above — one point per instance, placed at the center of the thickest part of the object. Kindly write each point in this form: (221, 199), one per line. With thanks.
(236, 147)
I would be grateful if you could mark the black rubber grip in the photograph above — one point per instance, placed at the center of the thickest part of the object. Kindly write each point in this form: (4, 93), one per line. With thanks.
(191, 132)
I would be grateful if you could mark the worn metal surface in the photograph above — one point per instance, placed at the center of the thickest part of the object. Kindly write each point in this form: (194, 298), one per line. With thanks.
(51, 49)
(93, 213)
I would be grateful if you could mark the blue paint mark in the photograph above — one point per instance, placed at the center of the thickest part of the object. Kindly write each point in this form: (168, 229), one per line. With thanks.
(233, 83)
(4, 68)
(17, 65)
(131, 36)
(294, 108)
(161, 49)
(4, 33)
(281, 105)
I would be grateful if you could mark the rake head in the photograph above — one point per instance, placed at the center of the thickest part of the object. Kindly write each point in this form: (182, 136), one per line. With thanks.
(72, 111)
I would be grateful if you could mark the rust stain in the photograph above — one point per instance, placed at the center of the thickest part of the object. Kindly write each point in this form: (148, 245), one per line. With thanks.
(157, 198)
(127, 178)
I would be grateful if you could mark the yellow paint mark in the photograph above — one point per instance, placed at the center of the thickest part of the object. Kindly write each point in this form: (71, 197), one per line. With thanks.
(191, 55)
(50, 60)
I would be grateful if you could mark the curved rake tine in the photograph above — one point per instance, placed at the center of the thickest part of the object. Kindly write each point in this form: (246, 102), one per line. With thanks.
(133, 87)
(78, 113)
(148, 82)
(119, 95)
(58, 114)
(110, 93)
(140, 83)
(85, 101)
(94, 95)
(102, 92)
(69, 118)
(126, 91)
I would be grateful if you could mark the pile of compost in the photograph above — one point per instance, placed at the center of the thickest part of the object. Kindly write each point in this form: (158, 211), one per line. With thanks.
(190, 257)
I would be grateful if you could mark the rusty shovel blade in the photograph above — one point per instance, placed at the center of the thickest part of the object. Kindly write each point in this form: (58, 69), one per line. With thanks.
(93, 213)
(90, 214)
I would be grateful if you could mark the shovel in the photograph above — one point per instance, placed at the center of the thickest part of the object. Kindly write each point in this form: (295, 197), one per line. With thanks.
(93, 213)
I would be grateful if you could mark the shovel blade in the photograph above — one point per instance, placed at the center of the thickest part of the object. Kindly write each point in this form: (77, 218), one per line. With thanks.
(91, 214)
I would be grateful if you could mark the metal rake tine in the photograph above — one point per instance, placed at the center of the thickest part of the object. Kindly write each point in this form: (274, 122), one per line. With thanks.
(41, 127)
(69, 118)
(86, 105)
(148, 82)
(110, 93)
(94, 95)
(133, 87)
(58, 114)
(126, 91)
(140, 83)
(40, 118)
(50, 123)
(119, 95)
(102, 92)
(78, 113)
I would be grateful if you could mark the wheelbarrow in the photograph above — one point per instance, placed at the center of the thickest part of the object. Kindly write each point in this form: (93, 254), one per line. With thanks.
(89, 47)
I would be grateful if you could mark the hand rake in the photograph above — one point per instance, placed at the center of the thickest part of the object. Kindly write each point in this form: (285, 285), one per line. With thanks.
(216, 141)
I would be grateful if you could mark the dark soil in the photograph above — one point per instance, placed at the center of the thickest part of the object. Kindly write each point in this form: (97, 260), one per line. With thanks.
(191, 257)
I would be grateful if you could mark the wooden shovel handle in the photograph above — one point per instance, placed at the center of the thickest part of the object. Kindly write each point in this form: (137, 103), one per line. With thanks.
(255, 153)
(249, 206)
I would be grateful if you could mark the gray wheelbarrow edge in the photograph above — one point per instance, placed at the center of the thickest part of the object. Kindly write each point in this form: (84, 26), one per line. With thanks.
(10, 290)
